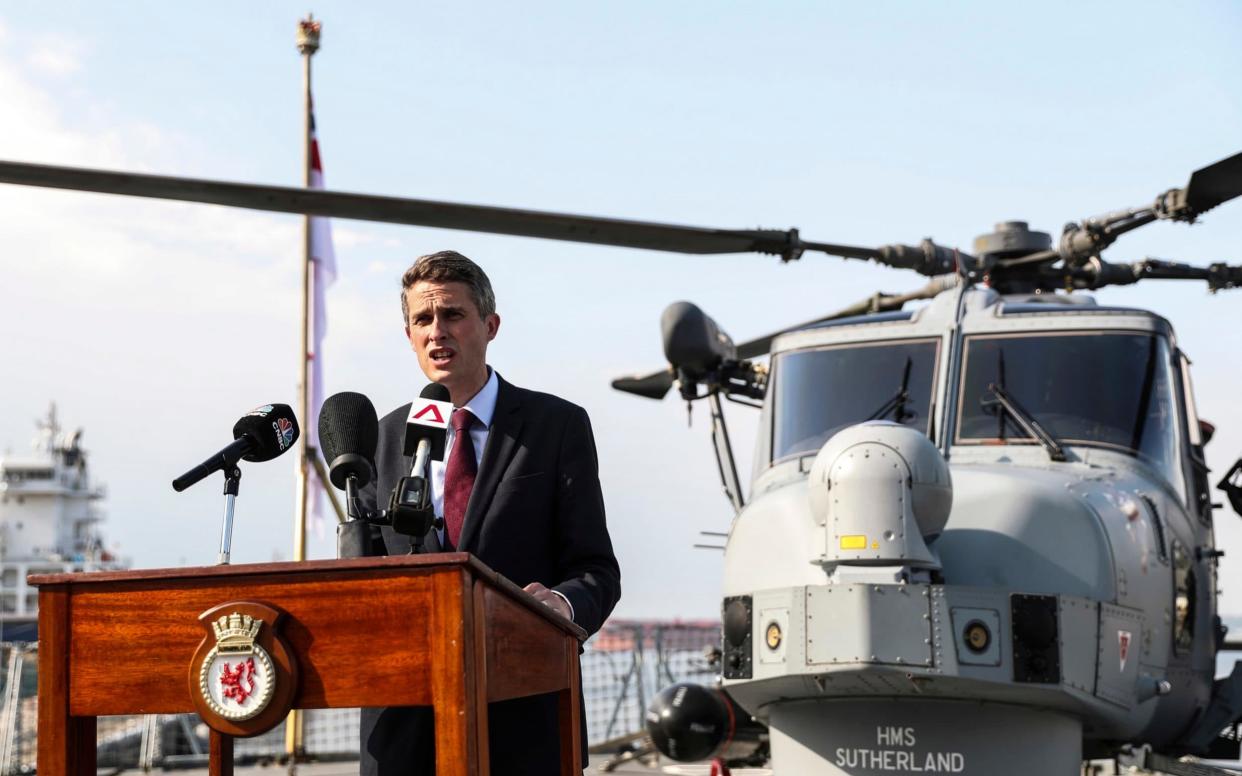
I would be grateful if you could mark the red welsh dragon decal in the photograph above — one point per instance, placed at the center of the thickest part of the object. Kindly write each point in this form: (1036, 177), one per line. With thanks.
(238, 682)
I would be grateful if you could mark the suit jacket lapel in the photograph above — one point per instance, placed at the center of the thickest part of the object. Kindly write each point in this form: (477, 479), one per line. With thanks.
(501, 443)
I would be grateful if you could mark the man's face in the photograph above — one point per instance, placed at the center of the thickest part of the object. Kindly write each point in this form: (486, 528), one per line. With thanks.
(449, 336)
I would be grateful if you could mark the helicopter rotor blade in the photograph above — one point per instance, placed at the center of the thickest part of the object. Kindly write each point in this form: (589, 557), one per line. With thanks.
(652, 386)
(1098, 273)
(1215, 184)
(430, 213)
(1208, 187)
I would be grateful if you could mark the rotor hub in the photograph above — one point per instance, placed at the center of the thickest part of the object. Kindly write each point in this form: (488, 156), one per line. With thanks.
(1011, 239)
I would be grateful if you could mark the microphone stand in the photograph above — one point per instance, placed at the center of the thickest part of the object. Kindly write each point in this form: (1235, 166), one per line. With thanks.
(232, 482)
(352, 507)
(410, 510)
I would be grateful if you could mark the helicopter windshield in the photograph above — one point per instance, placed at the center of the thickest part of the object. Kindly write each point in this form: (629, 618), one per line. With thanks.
(819, 392)
(1109, 390)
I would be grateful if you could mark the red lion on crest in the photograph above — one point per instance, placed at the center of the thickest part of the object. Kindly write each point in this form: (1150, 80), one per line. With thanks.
(238, 682)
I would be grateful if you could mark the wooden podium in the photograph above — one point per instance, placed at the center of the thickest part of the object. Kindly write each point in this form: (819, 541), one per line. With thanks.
(417, 630)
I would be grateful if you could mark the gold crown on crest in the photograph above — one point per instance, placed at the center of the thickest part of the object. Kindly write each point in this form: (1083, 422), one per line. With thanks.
(236, 632)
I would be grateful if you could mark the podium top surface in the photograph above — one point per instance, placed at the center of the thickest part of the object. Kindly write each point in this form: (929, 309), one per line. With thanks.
(311, 570)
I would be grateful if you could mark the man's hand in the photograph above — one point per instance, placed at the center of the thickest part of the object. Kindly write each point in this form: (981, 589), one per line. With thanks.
(546, 597)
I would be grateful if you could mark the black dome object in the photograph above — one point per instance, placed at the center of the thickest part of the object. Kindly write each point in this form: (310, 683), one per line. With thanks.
(689, 722)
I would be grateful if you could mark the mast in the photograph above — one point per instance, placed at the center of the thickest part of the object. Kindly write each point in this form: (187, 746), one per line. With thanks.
(308, 44)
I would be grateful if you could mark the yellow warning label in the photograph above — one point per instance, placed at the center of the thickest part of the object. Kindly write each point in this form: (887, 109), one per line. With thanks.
(854, 542)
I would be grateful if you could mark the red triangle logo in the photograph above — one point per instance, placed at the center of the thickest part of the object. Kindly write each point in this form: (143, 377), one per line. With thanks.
(435, 413)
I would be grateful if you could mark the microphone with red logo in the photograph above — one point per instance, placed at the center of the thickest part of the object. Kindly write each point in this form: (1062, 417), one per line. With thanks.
(426, 428)
(261, 435)
(426, 432)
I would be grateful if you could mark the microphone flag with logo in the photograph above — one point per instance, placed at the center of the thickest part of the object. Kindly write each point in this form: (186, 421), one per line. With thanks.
(262, 434)
(429, 420)
(271, 430)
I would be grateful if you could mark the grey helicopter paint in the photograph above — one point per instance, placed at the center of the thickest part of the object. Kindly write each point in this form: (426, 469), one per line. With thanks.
(1044, 600)
(979, 534)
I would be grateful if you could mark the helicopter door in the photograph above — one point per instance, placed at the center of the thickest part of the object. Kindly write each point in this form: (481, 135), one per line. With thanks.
(1202, 500)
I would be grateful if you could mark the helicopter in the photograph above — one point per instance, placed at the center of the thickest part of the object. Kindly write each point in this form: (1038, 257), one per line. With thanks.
(948, 537)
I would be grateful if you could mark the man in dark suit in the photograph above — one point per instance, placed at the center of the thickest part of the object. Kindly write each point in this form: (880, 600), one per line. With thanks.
(519, 488)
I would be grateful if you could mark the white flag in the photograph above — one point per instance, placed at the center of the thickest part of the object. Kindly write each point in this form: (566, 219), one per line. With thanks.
(323, 265)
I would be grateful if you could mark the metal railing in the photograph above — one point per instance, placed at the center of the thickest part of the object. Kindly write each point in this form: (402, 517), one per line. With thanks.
(628, 662)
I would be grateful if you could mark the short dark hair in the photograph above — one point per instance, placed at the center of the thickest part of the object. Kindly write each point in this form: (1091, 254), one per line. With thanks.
(449, 267)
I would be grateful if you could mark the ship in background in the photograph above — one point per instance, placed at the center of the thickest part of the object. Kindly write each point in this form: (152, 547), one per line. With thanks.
(49, 522)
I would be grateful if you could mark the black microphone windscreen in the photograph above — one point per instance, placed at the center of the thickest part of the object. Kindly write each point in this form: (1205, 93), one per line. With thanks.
(271, 429)
(435, 392)
(348, 424)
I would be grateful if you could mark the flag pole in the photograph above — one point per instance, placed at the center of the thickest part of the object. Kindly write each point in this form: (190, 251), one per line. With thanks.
(308, 44)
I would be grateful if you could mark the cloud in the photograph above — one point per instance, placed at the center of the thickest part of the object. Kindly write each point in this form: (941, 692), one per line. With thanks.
(147, 251)
(139, 313)
(35, 129)
(344, 237)
(55, 55)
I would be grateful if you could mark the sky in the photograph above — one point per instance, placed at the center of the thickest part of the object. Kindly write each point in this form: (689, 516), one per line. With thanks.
(155, 325)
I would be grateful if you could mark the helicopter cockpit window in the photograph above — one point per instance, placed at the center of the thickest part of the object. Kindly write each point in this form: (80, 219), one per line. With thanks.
(820, 392)
(1107, 390)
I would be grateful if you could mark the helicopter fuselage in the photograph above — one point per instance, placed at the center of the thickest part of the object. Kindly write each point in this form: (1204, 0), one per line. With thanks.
(1069, 590)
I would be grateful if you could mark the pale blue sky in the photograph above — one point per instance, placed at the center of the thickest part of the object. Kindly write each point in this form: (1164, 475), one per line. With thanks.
(155, 325)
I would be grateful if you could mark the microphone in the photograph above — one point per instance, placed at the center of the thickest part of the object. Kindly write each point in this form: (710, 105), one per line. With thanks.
(348, 435)
(426, 428)
(426, 431)
(261, 435)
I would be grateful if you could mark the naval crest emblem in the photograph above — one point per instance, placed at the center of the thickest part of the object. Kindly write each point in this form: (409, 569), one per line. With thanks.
(237, 676)
(242, 676)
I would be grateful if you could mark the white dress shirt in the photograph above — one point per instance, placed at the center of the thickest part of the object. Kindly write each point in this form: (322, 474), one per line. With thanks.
(483, 406)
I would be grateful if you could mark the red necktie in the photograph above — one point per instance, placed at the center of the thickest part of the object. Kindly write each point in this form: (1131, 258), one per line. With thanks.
(459, 475)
